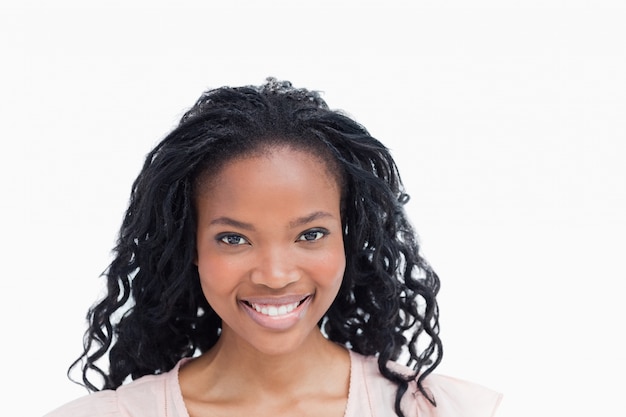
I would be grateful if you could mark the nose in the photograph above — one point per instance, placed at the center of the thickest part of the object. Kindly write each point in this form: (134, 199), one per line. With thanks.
(275, 268)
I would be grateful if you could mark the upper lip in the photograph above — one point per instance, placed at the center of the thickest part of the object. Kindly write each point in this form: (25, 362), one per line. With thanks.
(277, 301)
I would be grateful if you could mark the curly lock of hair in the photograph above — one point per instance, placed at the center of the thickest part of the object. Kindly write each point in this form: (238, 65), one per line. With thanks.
(154, 312)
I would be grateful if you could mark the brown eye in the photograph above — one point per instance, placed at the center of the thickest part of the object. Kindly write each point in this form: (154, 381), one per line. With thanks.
(232, 239)
(312, 235)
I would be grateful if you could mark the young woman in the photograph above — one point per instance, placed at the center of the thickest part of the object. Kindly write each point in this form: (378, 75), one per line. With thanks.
(265, 266)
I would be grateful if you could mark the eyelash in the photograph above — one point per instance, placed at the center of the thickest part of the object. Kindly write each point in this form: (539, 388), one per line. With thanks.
(321, 233)
(224, 239)
(227, 238)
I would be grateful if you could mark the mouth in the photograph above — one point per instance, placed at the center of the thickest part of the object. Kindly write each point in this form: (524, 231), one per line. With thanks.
(275, 309)
(277, 314)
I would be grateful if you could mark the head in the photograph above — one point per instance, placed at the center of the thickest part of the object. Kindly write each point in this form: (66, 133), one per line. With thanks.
(386, 290)
(270, 253)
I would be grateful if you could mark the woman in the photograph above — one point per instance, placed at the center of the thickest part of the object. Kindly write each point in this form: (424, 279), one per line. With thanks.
(265, 266)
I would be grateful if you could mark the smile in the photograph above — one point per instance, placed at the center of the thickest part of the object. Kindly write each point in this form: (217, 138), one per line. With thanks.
(272, 310)
(277, 314)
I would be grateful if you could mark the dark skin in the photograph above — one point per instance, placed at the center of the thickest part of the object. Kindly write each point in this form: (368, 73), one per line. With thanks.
(270, 238)
(267, 386)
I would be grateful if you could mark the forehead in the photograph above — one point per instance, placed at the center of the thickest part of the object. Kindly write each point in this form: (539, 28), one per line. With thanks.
(286, 161)
(279, 184)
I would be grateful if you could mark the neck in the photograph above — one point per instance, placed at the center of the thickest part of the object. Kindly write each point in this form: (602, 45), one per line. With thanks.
(274, 372)
(231, 375)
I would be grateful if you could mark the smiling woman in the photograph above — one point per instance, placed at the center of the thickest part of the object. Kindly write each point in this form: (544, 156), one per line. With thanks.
(265, 266)
(271, 259)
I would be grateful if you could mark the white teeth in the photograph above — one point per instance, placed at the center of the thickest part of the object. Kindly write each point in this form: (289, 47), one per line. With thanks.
(274, 311)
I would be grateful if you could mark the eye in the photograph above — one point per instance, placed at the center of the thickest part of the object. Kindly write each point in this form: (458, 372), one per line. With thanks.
(312, 235)
(232, 239)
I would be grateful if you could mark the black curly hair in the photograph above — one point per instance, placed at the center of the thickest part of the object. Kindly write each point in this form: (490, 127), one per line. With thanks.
(154, 312)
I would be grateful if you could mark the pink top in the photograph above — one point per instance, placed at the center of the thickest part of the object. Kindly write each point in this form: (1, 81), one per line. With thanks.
(370, 395)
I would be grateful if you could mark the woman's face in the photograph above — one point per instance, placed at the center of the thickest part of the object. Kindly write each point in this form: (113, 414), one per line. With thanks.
(270, 248)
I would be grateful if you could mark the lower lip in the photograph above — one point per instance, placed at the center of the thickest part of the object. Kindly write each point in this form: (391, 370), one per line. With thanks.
(282, 322)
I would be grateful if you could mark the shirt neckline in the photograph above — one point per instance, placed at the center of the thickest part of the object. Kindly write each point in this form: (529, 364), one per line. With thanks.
(173, 386)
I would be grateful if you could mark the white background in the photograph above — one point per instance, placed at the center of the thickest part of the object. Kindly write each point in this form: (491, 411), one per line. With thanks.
(506, 119)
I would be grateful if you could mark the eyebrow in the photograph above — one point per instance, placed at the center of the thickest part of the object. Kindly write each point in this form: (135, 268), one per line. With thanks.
(227, 221)
(308, 219)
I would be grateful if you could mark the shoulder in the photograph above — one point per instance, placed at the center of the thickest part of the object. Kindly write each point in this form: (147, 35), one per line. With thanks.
(98, 404)
(454, 397)
(146, 396)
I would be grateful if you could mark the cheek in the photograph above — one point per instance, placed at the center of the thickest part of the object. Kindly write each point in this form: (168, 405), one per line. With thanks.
(331, 268)
(216, 276)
